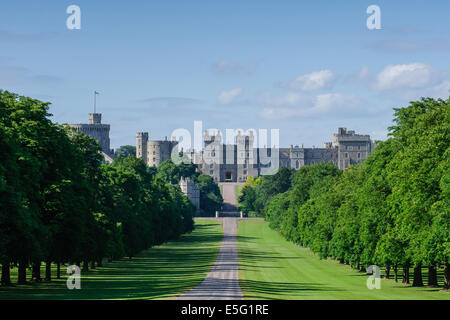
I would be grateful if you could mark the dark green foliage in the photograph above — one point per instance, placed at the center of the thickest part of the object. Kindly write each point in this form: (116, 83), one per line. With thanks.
(210, 197)
(125, 151)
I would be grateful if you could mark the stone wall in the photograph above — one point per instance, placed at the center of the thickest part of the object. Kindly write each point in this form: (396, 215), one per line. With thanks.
(192, 192)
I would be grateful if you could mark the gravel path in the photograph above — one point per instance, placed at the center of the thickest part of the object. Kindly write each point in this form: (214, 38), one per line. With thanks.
(222, 281)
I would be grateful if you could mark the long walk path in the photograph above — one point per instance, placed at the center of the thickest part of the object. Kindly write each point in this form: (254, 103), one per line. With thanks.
(222, 283)
(230, 203)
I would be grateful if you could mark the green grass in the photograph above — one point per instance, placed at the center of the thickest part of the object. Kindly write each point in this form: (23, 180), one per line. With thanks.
(158, 273)
(272, 268)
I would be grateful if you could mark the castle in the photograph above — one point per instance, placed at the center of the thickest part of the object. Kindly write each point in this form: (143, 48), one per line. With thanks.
(153, 152)
(236, 162)
(99, 132)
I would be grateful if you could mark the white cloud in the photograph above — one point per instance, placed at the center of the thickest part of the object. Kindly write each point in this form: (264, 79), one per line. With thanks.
(227, 97)
(298, 105)
(405, 76)
(313, 81)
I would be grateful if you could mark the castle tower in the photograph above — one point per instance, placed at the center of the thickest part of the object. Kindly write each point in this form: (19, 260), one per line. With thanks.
(95, 129)
(246, 156)
(141, 146)
(213, 155)
(95, 118)
(352, 148)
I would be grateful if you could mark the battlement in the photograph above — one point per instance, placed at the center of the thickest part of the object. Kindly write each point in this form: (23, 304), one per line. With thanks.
(98, 131)
(95, 118)
(236, 162)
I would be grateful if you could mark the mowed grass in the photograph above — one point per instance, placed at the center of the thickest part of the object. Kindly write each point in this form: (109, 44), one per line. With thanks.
(159, 273)
(272, 268)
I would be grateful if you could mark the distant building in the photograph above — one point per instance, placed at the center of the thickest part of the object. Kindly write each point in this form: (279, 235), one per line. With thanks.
(192, 192)
(352, 148)
(236, 162)
(99, 132)
(153, 152)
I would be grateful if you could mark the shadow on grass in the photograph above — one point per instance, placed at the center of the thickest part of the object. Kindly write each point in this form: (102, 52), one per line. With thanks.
(264, 289)
(159, 272)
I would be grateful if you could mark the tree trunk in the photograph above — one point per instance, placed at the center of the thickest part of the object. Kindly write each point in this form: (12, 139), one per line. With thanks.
(405, 274)
(341, 261)
(447, 276)
(22, 274)
(388, 270)
(432, 276)
(93, 264)
(396, 274)
(417, 281)
(48, 271)
(58, 270)
(85, 266)
(363, 269)
(357, 266)
(36, 272)
(6, 275)
(100, 263)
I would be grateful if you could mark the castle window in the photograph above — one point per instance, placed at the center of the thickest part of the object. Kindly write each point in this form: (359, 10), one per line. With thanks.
(359, 155)
(245, 171)
(211, 166)
(359, 147)
(297, 164)
(346, 155)
(211, 172)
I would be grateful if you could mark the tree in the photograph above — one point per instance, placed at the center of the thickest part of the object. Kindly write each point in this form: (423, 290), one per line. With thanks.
(125, 151)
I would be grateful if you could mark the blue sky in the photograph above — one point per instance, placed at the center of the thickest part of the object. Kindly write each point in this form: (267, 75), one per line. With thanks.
(304, 67)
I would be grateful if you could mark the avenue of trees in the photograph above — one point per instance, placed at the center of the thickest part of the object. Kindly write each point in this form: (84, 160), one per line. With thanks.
(60, 203)
(210, 197)
(392, 210)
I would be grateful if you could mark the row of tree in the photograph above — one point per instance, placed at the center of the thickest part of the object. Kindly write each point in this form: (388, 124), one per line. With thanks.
(60, 203)
(392, 210)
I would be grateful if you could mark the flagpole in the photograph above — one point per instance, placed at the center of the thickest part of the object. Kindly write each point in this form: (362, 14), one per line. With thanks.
(95, 100)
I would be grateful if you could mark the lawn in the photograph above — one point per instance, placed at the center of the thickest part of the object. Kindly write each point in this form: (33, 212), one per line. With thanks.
(158, 273)
(272, 268)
